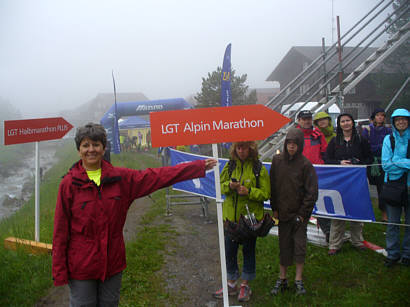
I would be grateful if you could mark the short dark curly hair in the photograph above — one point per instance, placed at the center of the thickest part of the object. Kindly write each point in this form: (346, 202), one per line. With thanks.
(95, 132)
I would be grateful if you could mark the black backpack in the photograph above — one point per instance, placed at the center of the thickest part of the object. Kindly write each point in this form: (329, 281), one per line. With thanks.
(256, 168)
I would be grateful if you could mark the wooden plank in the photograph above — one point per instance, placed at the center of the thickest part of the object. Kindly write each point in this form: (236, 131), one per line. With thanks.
(29, 246)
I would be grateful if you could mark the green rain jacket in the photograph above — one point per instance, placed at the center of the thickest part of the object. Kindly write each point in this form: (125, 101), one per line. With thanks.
(329, 131)
(234, 204)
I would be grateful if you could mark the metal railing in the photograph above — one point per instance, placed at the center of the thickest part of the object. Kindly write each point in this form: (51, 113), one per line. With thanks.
(316, 81)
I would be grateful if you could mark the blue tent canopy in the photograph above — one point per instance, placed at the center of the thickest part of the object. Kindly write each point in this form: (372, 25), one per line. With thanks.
(138, 108)
(133, 122)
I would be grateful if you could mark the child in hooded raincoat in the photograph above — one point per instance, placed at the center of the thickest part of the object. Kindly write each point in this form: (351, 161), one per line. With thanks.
(294, 192)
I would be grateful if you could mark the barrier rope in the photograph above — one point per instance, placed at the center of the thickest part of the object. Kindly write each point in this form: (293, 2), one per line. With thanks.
(351, 220)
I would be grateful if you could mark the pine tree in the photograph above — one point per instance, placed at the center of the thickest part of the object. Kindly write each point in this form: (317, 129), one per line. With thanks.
(210, 95)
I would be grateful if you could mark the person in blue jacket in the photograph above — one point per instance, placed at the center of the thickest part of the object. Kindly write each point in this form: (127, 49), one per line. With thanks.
(396, 164)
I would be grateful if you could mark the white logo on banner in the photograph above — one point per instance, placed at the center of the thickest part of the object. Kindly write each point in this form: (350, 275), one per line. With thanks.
(336, 199)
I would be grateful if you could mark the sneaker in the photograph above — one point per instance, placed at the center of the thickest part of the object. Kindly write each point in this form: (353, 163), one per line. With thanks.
(300, 289)
(232, 291)
(405, 261)
(245, 293)
(333, 252)
(280, 286)
(388, 262)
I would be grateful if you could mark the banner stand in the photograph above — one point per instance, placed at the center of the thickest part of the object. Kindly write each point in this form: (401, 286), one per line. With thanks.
(219, 202)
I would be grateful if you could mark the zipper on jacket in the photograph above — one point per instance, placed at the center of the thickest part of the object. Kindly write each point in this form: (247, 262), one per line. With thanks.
(237, 195)
(98, 189)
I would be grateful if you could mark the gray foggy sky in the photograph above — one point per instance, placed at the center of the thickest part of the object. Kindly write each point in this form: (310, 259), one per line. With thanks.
(56, 55)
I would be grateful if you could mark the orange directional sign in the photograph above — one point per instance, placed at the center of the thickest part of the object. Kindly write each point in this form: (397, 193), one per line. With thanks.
(34, 130)
(214, 125)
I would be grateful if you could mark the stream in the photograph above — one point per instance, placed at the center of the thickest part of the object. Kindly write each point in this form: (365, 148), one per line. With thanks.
(18, 188)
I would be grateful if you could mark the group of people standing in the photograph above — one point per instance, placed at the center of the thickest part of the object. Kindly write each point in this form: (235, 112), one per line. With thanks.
(135, 142)
(94, 197)
(293, 189)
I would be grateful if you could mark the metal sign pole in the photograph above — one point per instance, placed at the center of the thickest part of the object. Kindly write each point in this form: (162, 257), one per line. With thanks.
(37, 195)
(220, 226)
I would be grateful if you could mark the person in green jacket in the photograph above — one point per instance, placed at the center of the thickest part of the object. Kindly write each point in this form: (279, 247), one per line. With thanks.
(240, 189)
(323, 121)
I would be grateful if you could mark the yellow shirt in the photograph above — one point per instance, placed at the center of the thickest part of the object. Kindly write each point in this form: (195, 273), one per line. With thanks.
(95, 176)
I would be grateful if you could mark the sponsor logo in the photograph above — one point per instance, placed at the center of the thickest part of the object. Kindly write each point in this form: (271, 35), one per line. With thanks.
(144, 107)
(336, 200)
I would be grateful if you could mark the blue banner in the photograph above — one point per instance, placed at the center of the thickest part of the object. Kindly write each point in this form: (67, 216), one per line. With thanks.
(343, 191)
(226, 97)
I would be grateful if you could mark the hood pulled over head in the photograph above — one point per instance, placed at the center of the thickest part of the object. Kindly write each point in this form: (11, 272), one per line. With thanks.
(321, 115)
(296, 135)
(399, 112)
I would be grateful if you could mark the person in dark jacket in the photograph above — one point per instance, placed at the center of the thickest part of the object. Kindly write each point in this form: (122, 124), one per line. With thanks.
(375, 135)
(92, 204)
(347, 148)
(294, 192)
(396, 164)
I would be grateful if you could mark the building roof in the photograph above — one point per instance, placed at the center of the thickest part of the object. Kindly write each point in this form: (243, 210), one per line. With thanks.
(304, 55)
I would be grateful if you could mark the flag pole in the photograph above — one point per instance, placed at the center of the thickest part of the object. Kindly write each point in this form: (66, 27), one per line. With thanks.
(115, 136)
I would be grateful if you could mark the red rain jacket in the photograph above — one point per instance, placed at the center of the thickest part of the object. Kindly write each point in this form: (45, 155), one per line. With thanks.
(88, 241)
(315, 145)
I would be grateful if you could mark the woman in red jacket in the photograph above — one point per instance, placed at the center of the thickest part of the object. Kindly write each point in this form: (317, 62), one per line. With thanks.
(92, 204)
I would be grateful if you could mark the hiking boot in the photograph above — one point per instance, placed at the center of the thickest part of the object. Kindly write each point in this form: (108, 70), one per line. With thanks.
(388, 263)
(245, 293)
(280, 286)
(232, 291)
(405, 261)
(333, 252)
(300, 289)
